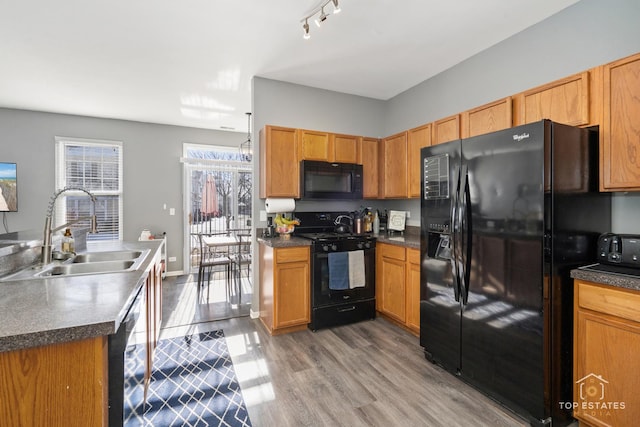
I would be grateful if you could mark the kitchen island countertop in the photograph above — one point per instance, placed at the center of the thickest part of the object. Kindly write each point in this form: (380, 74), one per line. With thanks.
(38, 312)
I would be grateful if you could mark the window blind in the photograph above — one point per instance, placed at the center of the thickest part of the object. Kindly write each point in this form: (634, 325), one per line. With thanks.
(95, 166)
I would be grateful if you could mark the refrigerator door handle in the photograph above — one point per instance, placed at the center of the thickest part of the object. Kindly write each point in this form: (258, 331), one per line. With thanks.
(464, 199)
(454, 235)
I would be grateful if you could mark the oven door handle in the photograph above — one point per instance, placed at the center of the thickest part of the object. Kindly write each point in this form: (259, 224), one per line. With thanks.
(343, 310)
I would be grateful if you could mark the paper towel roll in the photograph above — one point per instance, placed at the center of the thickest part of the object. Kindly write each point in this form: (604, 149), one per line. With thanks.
(279, 205)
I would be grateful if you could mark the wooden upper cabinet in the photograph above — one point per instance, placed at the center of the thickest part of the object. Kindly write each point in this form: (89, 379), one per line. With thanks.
(314, 145)
(279, 164)
(447, 129)
(488, 118)
(564, 101)
(343, 148)
(369, 158)
(393, 166)
(417, 138)
(620, 130)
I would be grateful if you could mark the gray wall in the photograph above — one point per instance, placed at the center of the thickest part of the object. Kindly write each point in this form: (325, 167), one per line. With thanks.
(152, 169)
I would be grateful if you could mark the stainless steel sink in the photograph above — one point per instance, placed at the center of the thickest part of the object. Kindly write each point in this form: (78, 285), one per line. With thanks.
(106, 256)
(87, 268)
(84, 264)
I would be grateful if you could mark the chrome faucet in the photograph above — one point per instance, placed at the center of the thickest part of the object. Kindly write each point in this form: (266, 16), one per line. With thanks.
(46, 241)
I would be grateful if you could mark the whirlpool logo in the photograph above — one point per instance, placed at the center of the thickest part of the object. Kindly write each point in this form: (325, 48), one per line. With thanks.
(520, 137)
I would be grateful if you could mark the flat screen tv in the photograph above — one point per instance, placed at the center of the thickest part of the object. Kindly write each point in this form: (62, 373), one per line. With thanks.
(8, 187)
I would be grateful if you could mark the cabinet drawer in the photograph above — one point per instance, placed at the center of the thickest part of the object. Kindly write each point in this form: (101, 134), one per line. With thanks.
(613, 301)
(392, 251)
(292, 254)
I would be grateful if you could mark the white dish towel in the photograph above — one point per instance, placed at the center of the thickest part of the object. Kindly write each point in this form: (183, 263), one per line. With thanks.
(356, 269)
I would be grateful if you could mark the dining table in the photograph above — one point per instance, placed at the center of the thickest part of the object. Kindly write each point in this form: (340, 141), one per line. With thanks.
(231, 243)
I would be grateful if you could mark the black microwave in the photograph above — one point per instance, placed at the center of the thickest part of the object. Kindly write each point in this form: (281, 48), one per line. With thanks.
(327, 180)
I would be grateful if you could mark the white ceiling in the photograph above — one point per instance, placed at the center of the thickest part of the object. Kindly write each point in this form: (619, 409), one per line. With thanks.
(190, 62)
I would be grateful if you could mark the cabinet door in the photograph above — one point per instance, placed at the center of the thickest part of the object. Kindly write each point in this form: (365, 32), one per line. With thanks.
(63, 384)
(314, 145)
(563, 101)
(606, 347)
(393, 166)
(344, 148)
(620, 133)
(279, 164)
(390, 277)
(413, 289)
(447, 129)
(418, 138)
(487, 118)
(369, 159)
(292, 303)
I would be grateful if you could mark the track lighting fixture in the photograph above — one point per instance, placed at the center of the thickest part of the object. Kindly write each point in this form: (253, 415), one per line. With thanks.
(321, 18)
(306, 29)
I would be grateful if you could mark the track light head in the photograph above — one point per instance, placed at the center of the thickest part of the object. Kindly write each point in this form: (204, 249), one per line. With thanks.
(336, 7)
(320, 19)
(305, 27)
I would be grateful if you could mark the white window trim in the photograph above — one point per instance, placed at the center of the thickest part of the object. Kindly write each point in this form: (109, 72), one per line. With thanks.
(61, 178)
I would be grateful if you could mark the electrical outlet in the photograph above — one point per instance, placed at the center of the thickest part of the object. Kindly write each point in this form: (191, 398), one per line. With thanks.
(172, 259)
(263, 216)
(172, 211)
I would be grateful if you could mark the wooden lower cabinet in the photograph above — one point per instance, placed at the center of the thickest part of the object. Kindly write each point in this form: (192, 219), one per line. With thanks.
(153, 307)
(413, 290)
(63, 384)
(606, 355)
(398, 285)
(285, 303)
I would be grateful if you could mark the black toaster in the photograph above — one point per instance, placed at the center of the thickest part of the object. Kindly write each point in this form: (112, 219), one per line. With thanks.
(619, 249)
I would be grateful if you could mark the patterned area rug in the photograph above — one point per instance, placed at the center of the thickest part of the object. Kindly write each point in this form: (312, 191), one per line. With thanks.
(193, 384)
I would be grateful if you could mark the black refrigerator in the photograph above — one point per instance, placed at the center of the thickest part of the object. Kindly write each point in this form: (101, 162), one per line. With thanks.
(504, 218)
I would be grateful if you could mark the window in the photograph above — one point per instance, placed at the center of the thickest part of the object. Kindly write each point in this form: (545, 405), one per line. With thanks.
(95, 166)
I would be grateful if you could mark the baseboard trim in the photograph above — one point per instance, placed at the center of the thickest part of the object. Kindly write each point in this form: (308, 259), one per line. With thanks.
(174, 273)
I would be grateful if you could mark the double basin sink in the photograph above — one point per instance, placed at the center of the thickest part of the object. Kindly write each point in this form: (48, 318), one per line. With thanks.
(84, 264)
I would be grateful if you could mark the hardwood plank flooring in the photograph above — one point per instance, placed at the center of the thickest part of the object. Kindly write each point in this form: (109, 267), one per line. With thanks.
(371, 373)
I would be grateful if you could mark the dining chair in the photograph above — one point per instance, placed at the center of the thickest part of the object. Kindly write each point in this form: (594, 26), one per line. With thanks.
(240, 258)
(210, 258)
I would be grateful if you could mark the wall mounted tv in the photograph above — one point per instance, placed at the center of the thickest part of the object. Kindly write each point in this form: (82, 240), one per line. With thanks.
(8, 187)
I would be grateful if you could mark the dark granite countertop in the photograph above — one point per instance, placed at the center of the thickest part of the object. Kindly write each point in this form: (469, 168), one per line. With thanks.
(278, 242)
(605, 278)
(407, 240)
(46, 311)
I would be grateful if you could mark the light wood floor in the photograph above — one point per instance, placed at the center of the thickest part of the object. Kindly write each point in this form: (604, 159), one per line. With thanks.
(370, 373)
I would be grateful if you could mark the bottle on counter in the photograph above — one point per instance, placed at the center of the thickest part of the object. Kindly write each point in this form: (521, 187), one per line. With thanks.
(68, 244)
(376, 223)
(367, 223)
